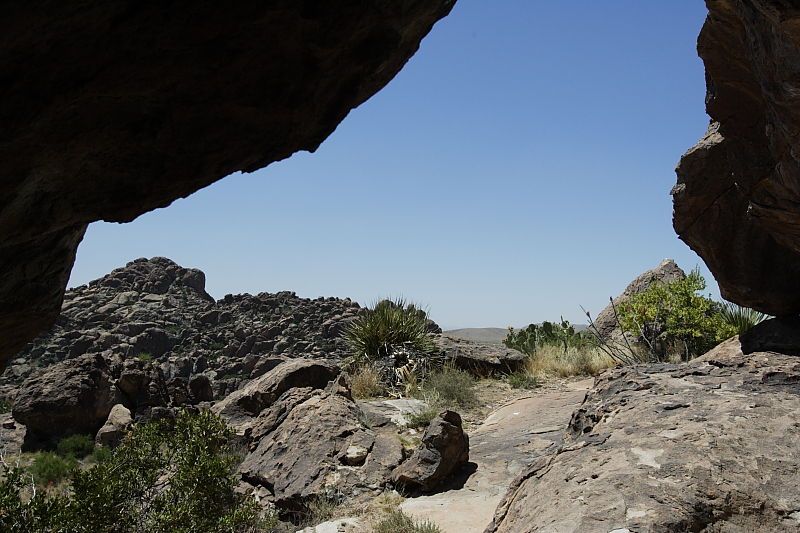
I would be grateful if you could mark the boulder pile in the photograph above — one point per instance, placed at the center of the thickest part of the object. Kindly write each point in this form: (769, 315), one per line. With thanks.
(155, 310)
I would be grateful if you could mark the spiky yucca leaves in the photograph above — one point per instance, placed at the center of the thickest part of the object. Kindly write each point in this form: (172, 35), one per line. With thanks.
(387, 326)
(740, 318)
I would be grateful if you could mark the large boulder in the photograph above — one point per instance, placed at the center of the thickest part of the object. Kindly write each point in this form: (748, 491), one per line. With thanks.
(480, 358)
(605, 323)
(706, 446)
(444, 449)
(75, 396)
(108, 115)
(307, 442)
(117, 424)
(737, 199)
(241, 407)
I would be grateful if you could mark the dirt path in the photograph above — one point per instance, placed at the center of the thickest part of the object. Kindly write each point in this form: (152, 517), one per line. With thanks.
(509, 439)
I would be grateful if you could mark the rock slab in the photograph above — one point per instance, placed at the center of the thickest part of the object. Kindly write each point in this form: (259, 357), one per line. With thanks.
(706, 446)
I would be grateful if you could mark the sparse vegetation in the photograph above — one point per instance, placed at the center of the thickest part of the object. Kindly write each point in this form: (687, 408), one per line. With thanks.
(75, 446)
(552, 361)
(533, 337)
(49, 468)
(422, 418)
(367, 383)
(397, 521)
(5, 406)
(145, 357)
(523, 380)
(318, 510)
(450, 388)
(160, 479)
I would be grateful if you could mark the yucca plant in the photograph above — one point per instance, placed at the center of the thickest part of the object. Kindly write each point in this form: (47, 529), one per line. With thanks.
(740, 318)
(386, 327)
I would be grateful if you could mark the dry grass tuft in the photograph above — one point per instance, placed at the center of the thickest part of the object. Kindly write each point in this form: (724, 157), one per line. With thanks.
(367, 383)
(552, 361)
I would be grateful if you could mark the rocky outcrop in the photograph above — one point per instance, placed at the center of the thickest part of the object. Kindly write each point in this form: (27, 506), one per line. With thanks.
(605, 324)
(706, 446)
(479, 358)
(307, 439)
(444, 449)
(737, 199)
(107, 115)
(154, 309)
(75, 396)
(241, 407)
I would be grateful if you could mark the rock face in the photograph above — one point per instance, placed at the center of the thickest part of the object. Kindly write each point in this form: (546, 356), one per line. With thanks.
(706, 446)
(444, 448)
(479, 357)
(75, 396)
(156, 309)
(736, 202)
(107, 115)
(606, 322)
(307, 438)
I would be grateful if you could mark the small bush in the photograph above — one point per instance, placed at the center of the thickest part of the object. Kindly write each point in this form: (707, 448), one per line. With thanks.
(422, 418)
(367, 383)
(50, 469)
(76, 446)
(5, 406)
(522, 380)
(450, 388)
(399, 522)
(145, 357)
(388, 325)
(100, 454)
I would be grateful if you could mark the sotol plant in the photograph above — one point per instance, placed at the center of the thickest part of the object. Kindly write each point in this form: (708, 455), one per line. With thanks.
(386, 327)
(741, 318)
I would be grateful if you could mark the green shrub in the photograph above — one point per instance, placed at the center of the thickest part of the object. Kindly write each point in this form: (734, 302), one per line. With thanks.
(145, 357)
(127, 493)
(100, 454)
(5, 406)
(449, 388)
(399, 522)
(422, 419)
(674, 318)
(739, 318)
(50, 469)
(387, 326)
(529, 339)
(76, 446)
(522, 380)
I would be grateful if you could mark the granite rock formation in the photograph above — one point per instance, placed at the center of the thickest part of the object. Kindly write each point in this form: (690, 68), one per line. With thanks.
(107, 115)
(737, 200)
(706, 446)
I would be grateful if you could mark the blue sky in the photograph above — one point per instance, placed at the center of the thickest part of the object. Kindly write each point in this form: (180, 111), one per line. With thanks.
(518, 167)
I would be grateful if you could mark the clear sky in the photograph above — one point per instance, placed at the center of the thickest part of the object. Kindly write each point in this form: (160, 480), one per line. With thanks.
(518, 167)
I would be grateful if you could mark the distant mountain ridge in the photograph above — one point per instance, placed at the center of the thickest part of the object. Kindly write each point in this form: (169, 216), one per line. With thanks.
(490, 335)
